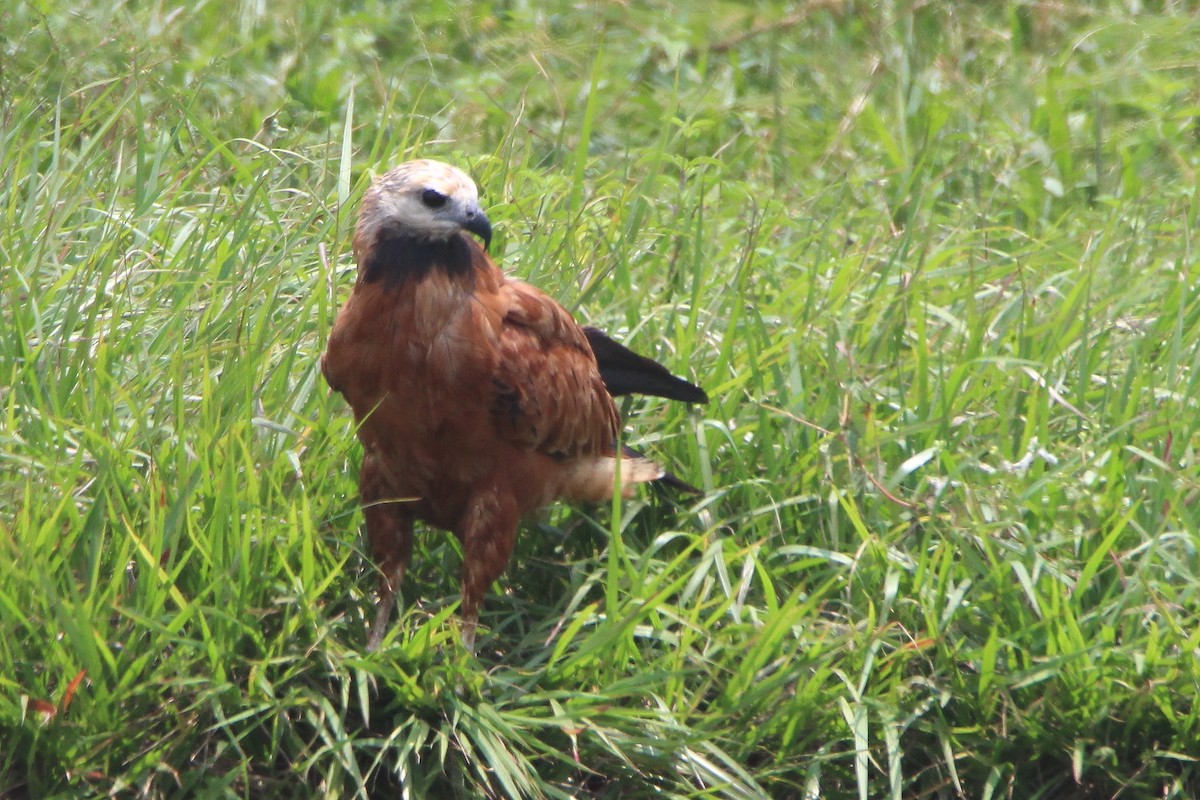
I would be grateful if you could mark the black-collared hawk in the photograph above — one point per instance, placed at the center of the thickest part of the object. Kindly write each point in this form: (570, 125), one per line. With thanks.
(478, 398)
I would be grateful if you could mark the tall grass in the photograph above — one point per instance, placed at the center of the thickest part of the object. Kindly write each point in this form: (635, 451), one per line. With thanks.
(933, 263)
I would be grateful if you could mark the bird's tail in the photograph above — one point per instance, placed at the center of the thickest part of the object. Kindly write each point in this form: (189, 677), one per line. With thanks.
(594, 480)
(666, 478)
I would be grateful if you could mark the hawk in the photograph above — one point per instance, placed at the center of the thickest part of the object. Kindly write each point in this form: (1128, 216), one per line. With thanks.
(478, 397)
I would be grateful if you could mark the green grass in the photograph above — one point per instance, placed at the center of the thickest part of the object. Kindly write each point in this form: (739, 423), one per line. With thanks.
(934, 263)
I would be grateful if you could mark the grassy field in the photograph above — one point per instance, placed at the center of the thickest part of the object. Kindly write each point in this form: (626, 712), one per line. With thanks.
(935, 264)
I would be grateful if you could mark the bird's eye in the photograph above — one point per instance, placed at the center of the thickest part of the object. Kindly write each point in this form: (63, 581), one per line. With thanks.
(432, 198)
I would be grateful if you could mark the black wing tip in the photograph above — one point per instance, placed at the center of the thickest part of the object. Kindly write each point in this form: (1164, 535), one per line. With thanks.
(690, 393)
(619, 381)
(626, 372)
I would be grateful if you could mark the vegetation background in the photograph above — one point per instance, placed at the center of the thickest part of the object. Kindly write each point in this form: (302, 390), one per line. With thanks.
(935, 263)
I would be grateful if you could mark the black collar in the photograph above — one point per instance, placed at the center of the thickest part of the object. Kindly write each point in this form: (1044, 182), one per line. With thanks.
(397, 259)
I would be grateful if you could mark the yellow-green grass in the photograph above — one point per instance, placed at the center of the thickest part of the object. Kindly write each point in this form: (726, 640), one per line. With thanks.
(933, 262)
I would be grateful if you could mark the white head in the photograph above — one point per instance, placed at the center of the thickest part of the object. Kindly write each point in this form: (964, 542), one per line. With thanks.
(425, 200)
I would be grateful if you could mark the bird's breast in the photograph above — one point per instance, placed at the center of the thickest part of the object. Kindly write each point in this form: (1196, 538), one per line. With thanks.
(414, 362)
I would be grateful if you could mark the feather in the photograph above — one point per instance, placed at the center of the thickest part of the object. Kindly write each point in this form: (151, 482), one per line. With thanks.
(626, 372)
(478, 398)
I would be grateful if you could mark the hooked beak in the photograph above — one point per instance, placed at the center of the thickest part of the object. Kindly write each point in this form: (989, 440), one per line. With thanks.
(478, 224)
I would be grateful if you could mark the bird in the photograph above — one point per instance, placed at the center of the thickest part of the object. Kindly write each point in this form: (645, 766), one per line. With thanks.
(478, 398)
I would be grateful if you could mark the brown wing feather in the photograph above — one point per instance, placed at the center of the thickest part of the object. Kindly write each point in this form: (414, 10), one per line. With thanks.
(549, 393)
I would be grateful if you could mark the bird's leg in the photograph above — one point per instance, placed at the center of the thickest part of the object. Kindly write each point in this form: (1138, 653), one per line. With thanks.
(488, 532)
(391, 544)
(389, 530)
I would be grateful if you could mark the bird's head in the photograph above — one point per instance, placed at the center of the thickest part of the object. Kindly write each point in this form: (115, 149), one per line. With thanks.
(424, 200)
